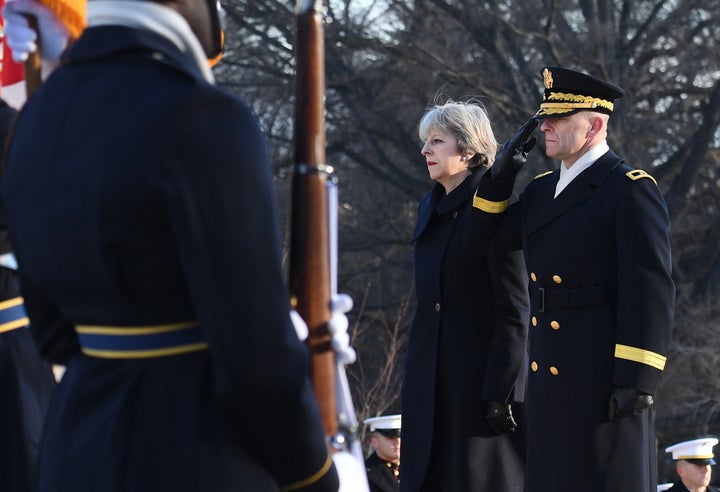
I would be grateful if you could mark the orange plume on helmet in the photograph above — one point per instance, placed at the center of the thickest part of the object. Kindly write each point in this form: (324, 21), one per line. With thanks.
(72, 13)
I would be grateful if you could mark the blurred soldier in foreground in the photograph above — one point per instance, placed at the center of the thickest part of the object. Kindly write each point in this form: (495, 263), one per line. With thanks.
(26, 380)
(127, 192)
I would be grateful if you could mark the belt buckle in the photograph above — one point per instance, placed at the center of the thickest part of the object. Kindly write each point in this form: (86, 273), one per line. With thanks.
(541, 290)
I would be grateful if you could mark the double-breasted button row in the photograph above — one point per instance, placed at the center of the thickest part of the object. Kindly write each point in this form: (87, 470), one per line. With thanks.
(555, 325)
(555, 278)
(553, 370)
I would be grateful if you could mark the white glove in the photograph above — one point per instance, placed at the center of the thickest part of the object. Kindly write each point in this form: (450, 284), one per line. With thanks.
(351, 472)
(22, 40)
(337, 326)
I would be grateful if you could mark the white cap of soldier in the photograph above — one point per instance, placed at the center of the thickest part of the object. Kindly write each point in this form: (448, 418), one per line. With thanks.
(697, 451)
(664, 486)
(387, 425)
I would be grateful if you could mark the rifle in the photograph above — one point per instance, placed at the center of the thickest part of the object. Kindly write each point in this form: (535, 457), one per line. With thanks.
(313, 234)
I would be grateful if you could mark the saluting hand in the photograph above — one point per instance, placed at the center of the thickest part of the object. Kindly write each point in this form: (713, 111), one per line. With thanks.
(515, 151)
(497, 184)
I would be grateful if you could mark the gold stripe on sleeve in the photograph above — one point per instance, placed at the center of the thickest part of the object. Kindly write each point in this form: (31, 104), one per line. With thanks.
(640, 355)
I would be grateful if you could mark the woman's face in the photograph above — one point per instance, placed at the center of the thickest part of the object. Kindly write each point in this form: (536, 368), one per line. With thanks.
(445, 163)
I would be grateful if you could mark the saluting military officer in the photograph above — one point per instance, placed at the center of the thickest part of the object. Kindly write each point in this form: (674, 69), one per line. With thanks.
(595, 234)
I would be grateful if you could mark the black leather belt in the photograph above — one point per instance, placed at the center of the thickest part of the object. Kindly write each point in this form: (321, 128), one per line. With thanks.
(559, 298)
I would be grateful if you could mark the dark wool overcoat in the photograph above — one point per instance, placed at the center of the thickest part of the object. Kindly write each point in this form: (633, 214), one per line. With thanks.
(26, 379)
(466, 347)
(139, 194)
(602, 298)
(26, 385)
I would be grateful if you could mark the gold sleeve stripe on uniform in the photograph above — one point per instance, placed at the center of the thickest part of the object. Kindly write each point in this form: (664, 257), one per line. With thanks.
(636, 174)
(12, 314)
(640, 355)
(13, 325)
(15, 301)
(311, 479)
(543, 174)
(488, 206)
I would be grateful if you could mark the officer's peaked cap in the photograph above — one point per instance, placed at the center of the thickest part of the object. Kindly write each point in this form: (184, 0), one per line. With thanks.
(697, 451)
(568, 91)
(387, 425)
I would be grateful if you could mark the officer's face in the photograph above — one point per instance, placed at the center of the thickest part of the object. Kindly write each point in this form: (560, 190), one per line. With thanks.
(444, 161)
(387, 448)
(568, 138)
(694, 476)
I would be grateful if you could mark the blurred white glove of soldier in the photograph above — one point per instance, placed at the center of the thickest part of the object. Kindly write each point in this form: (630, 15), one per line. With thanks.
(351, 472)
(337, 326)
(22, 40)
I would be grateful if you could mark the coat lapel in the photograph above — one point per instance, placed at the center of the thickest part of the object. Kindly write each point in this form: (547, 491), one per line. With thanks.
(544, 208)
(437, 202)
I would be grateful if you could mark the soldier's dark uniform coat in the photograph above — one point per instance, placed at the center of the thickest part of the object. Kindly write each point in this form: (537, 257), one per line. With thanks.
(26, 380)
(466, 347)
(601, 253)
(380, 476)
(138, 194)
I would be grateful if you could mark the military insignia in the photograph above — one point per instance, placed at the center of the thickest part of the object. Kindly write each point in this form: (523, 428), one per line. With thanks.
(547, 78)
(543, 174)
(636, 174)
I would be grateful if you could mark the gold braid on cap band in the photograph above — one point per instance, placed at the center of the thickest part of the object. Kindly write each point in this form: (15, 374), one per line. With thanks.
(567, 101)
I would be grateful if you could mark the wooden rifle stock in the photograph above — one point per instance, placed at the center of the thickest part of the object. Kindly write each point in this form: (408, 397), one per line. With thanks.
(310, 269)
(33, 65)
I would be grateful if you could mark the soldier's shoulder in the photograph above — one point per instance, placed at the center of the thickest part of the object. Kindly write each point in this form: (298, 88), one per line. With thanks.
(543, 175)
(638, 174)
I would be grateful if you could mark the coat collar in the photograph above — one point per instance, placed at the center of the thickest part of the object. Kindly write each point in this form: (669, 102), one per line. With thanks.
(577, 191)
(437, 202)
(101, 42)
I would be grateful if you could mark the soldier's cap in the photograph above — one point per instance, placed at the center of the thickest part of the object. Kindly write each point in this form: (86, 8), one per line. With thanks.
(387, 425)
(697, 451)
(568, 92)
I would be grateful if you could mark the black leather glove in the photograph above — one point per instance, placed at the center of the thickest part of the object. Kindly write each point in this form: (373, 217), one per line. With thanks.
(625, 402)
(508, 163)
(500, 417)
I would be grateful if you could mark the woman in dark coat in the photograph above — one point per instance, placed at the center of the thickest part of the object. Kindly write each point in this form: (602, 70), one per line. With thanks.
(466, 361)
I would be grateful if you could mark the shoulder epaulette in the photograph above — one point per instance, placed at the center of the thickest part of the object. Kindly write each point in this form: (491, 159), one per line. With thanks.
(636, 174)
(543, 174)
